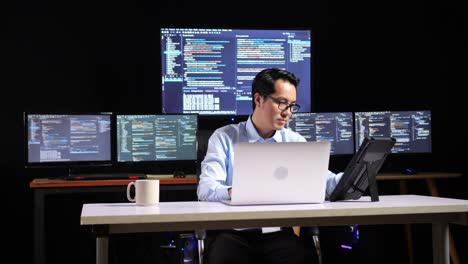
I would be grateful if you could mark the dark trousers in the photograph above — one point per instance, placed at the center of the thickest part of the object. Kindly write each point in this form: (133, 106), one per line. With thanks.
(251, 246)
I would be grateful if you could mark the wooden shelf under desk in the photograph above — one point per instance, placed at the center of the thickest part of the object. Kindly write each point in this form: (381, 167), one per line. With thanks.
(43, 187)
(419, 176)
(49, 183)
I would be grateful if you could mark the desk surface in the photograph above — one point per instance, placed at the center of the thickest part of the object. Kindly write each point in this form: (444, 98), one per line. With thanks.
(215, 215)
(49, 183)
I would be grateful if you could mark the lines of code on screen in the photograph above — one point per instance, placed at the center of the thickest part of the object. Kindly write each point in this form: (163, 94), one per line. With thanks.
(337, 128)
(210, 71)
(68, 138)
(411, 129)
(156, 137)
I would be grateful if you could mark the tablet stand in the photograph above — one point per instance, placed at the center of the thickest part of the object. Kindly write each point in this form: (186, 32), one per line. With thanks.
(371, 170)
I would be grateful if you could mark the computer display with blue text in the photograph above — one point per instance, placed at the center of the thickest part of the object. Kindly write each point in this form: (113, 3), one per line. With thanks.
(164, 137)
(66, 139)
(210, 71)
(411, 129)
(337, 128)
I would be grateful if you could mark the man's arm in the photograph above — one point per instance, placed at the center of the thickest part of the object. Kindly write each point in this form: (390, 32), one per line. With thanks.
(212, 184)
(332, 181)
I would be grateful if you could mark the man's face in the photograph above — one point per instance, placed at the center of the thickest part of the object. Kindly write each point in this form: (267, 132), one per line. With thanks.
(272, 118)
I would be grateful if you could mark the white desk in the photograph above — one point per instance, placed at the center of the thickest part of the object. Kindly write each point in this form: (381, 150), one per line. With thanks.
(177, 216)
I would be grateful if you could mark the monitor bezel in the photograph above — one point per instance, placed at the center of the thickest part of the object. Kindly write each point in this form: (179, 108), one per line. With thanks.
(218, 120)
(65, 164)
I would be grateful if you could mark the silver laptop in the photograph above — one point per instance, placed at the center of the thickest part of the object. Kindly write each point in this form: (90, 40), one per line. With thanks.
(279, 173)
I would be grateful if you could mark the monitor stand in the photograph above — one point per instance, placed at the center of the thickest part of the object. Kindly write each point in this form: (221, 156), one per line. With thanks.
(371, 170)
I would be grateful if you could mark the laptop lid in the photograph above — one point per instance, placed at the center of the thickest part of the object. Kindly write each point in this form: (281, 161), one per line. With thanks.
(280, 173)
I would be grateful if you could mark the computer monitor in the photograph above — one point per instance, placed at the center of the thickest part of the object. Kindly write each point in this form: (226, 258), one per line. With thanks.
(336, 128)
(411, 129)
(210, 71)
(362, 170)
(68, 139)
(163, 137)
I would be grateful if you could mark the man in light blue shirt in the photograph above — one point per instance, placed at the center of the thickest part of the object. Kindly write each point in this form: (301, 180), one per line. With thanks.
(274, 100)
(216, 176)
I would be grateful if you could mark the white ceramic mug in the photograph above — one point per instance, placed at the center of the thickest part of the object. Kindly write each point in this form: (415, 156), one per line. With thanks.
(146, 192)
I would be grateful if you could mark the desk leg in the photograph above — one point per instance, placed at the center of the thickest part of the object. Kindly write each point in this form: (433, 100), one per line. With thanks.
(431, 185)
(102, 243)
(440, 244)
(39, 227)
(102, 250)
(408, 231)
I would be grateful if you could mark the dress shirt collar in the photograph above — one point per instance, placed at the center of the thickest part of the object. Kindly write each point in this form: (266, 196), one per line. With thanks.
(253, 136)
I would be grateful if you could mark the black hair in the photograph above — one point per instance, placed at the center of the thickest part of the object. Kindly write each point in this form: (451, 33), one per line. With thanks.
(264, 81)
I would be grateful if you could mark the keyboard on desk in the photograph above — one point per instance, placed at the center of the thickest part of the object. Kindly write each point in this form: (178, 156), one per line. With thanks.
(169, 176)
(159, 176)
(106, 176)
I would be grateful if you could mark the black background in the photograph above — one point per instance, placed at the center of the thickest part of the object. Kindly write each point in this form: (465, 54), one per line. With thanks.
(84, 56)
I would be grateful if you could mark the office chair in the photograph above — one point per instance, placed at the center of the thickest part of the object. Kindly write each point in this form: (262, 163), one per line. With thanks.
(310, 231)
(313, 231)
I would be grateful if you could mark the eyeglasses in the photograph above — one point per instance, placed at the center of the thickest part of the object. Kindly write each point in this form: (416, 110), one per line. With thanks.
(284, 105)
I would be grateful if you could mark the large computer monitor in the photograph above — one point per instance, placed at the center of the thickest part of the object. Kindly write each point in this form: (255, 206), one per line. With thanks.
(210, 71)
(163, 137)
(411, 129)
(336, 128)
(68, 139)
